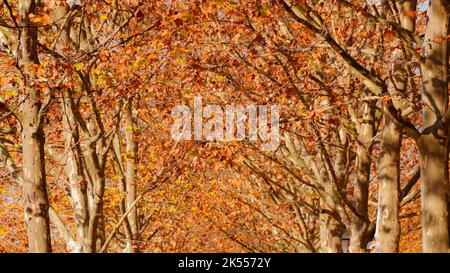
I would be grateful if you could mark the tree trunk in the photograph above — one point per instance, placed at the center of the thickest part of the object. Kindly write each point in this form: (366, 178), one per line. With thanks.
(359, 225)
(123, 189)
(433, 144)
(34, 188)
(131, 159)
(388, 223)
(330, 234)
(74, 170)
(96, 235)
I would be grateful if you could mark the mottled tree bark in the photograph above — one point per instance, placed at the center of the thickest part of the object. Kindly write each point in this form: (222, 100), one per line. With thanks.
(388, 222)
(34, 188)
(359, 225)
(433, 144)
(74, 170)
(131, 160)
(123, 189)
(330, 234)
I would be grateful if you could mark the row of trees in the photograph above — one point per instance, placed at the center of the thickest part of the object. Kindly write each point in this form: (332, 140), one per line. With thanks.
(87, 89)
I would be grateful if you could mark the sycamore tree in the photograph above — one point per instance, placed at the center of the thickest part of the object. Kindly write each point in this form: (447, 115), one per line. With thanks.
(87, 90)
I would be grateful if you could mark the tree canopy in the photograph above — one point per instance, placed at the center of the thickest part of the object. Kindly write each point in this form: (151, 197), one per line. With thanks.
(88, 162)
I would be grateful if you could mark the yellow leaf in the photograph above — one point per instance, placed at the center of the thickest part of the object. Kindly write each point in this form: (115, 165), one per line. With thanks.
(44, 19)
(129, 128)
(219, 78)
(97, 71)
(180, 61)
(79, 66)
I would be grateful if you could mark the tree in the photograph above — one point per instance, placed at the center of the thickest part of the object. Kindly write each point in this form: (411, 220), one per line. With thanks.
(32, 116)
(433, 69)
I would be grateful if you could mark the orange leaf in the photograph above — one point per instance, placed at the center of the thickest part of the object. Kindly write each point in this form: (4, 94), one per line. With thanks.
(411, 13)
(440, 39)
(389, 35)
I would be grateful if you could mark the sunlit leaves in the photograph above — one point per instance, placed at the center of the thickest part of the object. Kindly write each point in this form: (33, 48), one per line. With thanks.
(79, 66)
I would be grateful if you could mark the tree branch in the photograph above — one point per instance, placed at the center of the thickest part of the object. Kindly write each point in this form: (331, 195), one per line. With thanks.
(371, 81)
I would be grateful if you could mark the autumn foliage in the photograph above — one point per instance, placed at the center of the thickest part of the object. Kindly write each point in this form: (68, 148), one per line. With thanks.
(86, 93)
